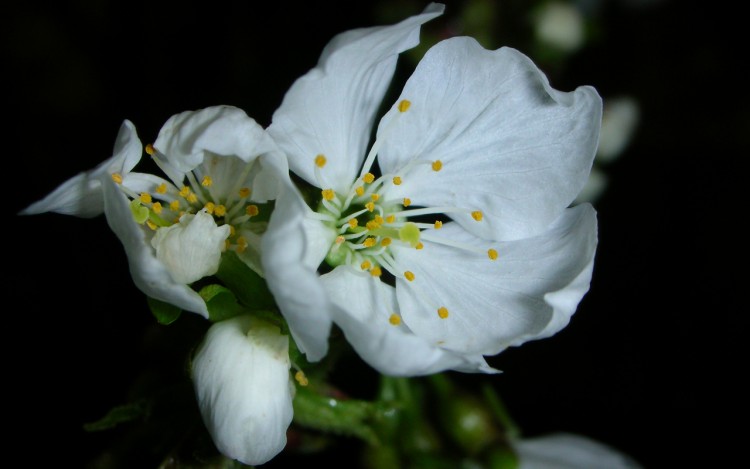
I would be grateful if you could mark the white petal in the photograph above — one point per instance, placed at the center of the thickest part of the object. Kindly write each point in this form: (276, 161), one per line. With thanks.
(241, 377)
(530, 291)
(191, 249)
(293, 247)
(149, 274)
(365, 305)
(81, 195)
(568, 451)
(511, 146)
(220, 130)
(331, 109)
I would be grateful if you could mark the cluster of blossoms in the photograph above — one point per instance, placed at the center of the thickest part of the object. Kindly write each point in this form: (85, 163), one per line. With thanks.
(449, 238)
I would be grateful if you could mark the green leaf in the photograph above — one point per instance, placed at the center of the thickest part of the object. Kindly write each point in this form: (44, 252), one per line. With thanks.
(120, 414)
(350, 417)
(221, 302)
(249, 287)
(165, 313)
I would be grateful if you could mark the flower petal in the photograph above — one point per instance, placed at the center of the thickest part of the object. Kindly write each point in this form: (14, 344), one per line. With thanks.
(293, 247)
(81, 195)
(219, 130)
(530, 291)
(242, 383)
(569, 451)
(331, 109)
(365, 305)
(149, 274)
(510, 145)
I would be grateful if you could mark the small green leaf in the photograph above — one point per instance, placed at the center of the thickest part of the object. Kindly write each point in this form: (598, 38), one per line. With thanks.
(120, 414)
(221, 302)
(165, 313)
(249, 288)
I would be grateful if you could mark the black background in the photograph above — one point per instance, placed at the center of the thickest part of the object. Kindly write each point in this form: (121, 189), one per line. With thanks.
(650, 362)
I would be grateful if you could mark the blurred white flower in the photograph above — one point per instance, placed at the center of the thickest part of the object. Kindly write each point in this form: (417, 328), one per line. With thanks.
(619, 122)
(560, 25)
(569, 451)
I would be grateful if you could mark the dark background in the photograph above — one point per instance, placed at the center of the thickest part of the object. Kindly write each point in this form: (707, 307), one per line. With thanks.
(650, 362)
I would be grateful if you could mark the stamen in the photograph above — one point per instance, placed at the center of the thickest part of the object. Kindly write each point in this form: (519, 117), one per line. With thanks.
(492, 254)
(365, 265)
(162, 189)
(396, 180)
(220, 210)
(370, 206)
(353, 223)
(390, 218)
(252, 210)
(374, 197)
(340, 239)
(174, 205)
(438, 224)
(409, 275)
(368, 178)
(404, 105)
(395, 319)
(369, 242)
(437, 165)
(145, 198)
(385, 242)
(360, 191)
(150, 150)
(476, 215)
(117, 177)
(442, 312)
(328, 194)
(245, 192)
(156, 207)
(209, 207)
(376, 271)
(419, 246)
(300, 377)
(320, 161)
(151, 225)
(241, 244)
(407, 202)
(207, 181)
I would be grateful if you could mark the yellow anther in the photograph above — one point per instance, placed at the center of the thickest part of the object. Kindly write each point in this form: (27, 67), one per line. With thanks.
(241, 244)
(209, 207)
(245, 192)
(151, 225)
(220, 210)
(150, 149)
(374, 197)
(419, 246)
(368, 178)
(320, 161)
(145, 198)
(409, 275)
(365, 265)
(370, 206)
(328, 194)
(174, 205)
(185, 191)
(397, 180)
(437, 165)
(360, 191)
(252, 210)
(492, 254)
(207, 181)
(192, 198)
(376, 272)
(232, 230)
(300, 377)
(162, 188)
(442, 312)
(372, 224)
(117, 177)
(369, 242)
(395, 319)
(340, 239)
(385, 242)
(476, 215)
(438, 224)
(404, 105)
(390, 218)
(379, 220)
(156, 207)
(353, 223)
(407, 202)
(227, 244)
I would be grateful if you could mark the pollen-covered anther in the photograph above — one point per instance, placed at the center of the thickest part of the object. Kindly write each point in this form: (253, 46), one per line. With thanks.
(207, 181)
(241, 244)
(150, 150)
(397, 181)
(477, 215)
(442, 312)
(151, 225)
(353, 223)
(174, 205)
(369, 242)
(300, 377)
(117, 177)
(184, 191)
(409, 275)
(404, 105)
(385, 242)
(328, 194)
(407, 202)
(390, 218)
(492, 254)
(157, 208)
(245, 192)
(419, 246)
(374, 197)
(340, 239)
(232, 230)
(376, 271)
(320, 161)
(368, 178)
(438, 224)
(372, 225)
(220, 210)
(161, 188)
(252, 210)
(365, 265)
(145, 198)
(360, 191)
(209, 207)
(192, 198)
(437, 165)
(370, 206)
(394, 319)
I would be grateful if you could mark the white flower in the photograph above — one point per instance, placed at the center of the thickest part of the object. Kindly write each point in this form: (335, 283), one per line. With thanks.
(569, 451)
(560, 25)
(478, 160)
(221, 167)
(242, 383)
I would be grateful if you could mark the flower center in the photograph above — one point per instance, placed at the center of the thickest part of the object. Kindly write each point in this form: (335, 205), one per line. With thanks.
(220, 186)
(369, 223)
